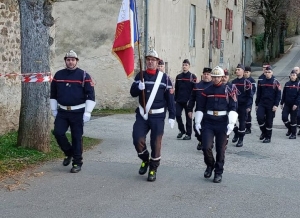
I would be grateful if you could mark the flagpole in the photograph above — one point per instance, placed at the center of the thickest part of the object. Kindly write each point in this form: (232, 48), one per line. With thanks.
(140, 61)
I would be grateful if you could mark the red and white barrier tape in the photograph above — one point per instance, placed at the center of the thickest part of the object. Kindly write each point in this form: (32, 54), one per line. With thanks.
(31, 77)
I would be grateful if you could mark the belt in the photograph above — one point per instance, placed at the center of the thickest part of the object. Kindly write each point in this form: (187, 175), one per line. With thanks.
(70, 108)
(217, 113)
(156, 111)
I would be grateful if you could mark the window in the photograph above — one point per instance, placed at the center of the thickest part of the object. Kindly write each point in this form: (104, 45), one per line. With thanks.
(232, 36)
(235, 2)
(229, 19)
(192, 26)
(217, 32)
(203, 37)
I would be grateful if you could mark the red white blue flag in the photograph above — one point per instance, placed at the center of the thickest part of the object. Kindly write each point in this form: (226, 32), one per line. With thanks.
(126, 36)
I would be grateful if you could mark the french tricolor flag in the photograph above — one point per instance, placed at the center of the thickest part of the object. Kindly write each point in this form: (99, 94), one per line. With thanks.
(126, 36)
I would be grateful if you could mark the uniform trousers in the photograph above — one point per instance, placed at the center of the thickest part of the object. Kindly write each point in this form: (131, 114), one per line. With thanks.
(179, 108)
(214, 127)
(63, 121)
(249, 120)
(242, 116)
(292, 124)
(265, 117)
(140, 129)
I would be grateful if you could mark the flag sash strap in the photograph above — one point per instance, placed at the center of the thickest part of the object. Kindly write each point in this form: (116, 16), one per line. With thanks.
(151, 97)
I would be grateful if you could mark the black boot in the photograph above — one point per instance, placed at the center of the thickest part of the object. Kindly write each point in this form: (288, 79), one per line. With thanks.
(235, 138)
(208, 172)
(262, 136)
(151, 176)
(179, 136)
(240, 142)
(67, 160)
(144, 167)
(289, 132)
(75, 168)
(267, 140)
(248, 131)
(298, 132)
(217, 178)
(292, 136)
(199, 146)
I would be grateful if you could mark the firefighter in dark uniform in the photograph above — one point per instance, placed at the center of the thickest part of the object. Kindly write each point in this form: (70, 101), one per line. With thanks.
(159, 96)
(216, 108)
(245, 100)
(247, 75)
(197, 90)
(72, 100)
(184, 84)
(289, 104)
(267, 100)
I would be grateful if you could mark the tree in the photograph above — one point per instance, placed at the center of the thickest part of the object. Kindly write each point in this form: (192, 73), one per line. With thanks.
(274, 13)
(34, 124)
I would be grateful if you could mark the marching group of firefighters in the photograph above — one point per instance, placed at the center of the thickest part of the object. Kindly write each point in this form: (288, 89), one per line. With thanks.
(215, 103)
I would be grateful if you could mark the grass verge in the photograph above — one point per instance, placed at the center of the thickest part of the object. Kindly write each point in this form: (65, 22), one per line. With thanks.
(14, 159)
(105, 112)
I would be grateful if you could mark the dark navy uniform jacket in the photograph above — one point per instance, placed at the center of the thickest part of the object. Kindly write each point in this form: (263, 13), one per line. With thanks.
(163, 97)
(245, 94)
(291, 93)
(183, 86)
(268, 93)
(260, 78)
(197, 90)
(72, 87)
(216, 98)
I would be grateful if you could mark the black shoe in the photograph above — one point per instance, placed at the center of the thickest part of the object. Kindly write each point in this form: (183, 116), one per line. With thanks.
(67, 160)
(217, 178)
(179, 136)
(248, 131)
(288, 133)
(240, 143)
(151, 176)
(144, 167)
(298, 132)
(208, 172)
(266, 140)
(292, 136)
(262, 136)
(75, 169)
(235, 138)
(199, 146)
(187, 137)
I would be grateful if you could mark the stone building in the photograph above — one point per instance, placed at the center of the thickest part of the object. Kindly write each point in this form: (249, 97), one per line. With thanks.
(10, 62)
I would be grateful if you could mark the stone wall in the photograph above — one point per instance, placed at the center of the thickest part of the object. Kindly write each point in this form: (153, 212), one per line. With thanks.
(10, 63)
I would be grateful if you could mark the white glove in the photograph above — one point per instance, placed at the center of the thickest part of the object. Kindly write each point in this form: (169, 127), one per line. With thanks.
(141, 85)
(53, 106)
(54, 113)
(232, 118)
(172, 122)
(86, 117)
(229, 128)
(198, 127)
(198, 119)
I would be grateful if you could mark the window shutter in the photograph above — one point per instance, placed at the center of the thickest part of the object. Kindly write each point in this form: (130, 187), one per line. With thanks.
(213, 33)
(227, 19)
(220, 32)
(231, 19)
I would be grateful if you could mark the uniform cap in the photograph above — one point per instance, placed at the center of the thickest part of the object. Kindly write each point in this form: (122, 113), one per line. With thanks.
(247, 68)
(161, 62)
(207, 70)
(71, 54)
(269, 68)
(265, 65)
(152, 53)
(240, 66)
(217, 71)
(293, 72)
(186, 61)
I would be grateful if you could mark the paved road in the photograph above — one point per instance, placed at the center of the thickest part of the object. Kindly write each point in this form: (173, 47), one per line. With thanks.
(260, 180)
